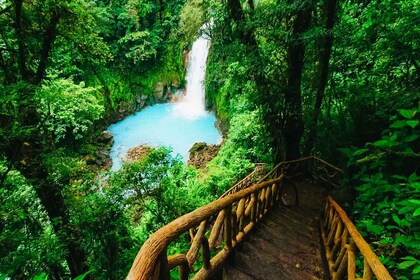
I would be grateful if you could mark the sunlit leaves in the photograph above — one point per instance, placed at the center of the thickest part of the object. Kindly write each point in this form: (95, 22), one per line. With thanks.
(68, 109)
(141, 45)
(387, 204)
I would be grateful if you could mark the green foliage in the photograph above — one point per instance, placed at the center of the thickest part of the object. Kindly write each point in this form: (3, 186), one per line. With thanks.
(141, 45)
(68, 109)
(42, 276)
(387, 205)
(373, 71)
(82, 276)
(192, 18)
(157, 186)
(121, 49)
(29, 245)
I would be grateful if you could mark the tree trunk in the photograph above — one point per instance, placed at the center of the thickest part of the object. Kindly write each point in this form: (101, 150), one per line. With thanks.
(293, 120)
(47, 43)
(236, 13)
(20, 40)
(52, 199)
(324, 60)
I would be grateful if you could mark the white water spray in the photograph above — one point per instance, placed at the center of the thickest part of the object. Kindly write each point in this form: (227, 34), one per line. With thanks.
(192, 105)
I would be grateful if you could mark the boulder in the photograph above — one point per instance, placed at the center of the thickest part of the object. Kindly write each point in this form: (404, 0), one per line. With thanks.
(201, 153)
(137, 153)
(106, 138)
(159, 90)
(175, 84)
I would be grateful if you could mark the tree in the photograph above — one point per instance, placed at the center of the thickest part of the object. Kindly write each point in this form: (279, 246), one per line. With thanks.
(22, 141)
(293, 119)
(323, 67)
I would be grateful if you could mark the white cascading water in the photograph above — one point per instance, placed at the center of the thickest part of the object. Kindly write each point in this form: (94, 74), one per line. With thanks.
(175, 125)
(192, 105)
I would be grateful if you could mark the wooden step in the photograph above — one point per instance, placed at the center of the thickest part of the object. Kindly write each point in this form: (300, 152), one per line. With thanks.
(286, 245)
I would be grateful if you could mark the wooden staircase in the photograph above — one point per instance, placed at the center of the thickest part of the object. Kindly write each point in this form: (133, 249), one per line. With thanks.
(287, 243)
(271, 229)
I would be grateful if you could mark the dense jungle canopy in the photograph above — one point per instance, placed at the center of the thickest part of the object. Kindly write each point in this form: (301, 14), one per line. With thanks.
(286, 78)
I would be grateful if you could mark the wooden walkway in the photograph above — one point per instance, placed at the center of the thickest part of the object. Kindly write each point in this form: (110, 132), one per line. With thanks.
(250, 234)
(287, 244)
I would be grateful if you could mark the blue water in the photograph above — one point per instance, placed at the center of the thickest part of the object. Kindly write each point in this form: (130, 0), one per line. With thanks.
(162, 125)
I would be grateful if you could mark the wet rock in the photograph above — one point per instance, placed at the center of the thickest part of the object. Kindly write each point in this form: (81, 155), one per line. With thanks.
(185, 55)
(175, 84)
(201, 153)
(222, 126)
(102, 158)
(106, 138)
(159, 90)
(137, 153)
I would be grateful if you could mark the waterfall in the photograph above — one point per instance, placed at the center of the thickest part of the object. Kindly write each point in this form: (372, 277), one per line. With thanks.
(178, 125)
(192, 105)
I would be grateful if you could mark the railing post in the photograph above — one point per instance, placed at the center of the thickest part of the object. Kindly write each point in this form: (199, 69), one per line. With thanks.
(228, 228)
(164, 270)
(184, 271)
(234, 226)
(367, 271)
(254, 197)
(206, 253)
(351, 269)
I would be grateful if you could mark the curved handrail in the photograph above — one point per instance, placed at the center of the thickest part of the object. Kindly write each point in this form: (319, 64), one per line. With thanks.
(341, 239)
(152, 262)
(316, 164)
(246, 181)
(232, 217)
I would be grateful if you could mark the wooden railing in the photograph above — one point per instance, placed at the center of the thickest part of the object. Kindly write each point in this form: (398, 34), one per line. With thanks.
(218, 227)
(248, 181)
(231, 217)
(312, 166)
(344, 244)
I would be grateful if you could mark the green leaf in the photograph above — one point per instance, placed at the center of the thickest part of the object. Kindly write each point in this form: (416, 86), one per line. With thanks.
(408, 114)
(399, 124)
(414, 185)
(411, 138)
(406, 264)
(414, 201)
(381, 143)
(42, 276)
(396, 219)
(4, 276)
(413, 123)
(399, 177)
(360, 151)
(409, 258)
(416, 270)
(416, 213)
(413, 177)
(82, 276)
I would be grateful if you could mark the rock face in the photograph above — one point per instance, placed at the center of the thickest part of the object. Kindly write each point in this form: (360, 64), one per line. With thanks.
(137, 153)
(106, 138)
(159, 90)
(100, 158)
(163, 91)
(201, 153)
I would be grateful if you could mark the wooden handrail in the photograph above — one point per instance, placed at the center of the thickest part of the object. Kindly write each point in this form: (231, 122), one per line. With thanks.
(218, 227)
(246, 181)
(152, 262)
(316, 166)
(342, 240)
